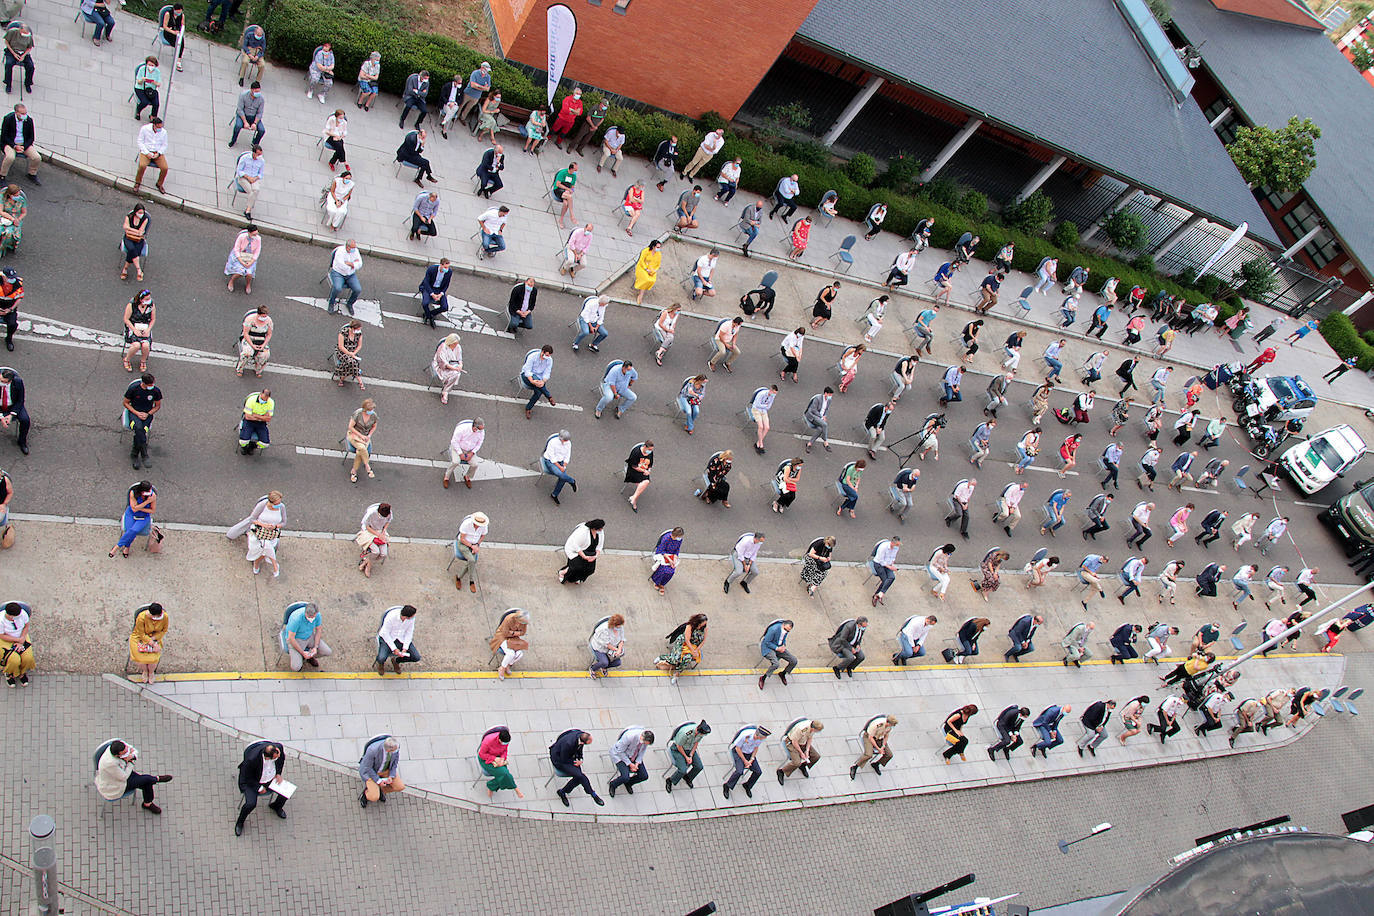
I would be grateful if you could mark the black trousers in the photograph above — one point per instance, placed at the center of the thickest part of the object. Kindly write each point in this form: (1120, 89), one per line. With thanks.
(1212, 722)
(1008, 741)
(420, 162)
(250, 801)
(143, 782)
(575, 778)
(1209, 535)
(1164, 728)
(337, 146)
(420, 227)
(1125, 652)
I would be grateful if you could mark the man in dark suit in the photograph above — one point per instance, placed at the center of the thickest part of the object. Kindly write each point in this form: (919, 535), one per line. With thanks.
(845, 645)
(17, 138)
(1047, 724)
(1022, 634)
(1094, 721)
(1009, 723)
(409, 152)
(434, 291)
(489, 170)
(12, 406)
(263, 762)
(520, 308)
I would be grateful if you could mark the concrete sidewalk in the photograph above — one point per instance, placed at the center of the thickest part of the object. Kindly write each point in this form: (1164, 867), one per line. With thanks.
(441, 721)
(199, 118)
(224, 618)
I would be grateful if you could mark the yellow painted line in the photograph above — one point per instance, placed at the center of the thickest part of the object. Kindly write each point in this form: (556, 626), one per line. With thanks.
(582, 672)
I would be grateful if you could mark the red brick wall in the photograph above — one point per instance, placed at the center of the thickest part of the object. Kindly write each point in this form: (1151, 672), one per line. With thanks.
(687, 58)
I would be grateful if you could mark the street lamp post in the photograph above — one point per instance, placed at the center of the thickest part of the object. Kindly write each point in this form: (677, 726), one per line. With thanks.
(1100, 828)
(1296, 628)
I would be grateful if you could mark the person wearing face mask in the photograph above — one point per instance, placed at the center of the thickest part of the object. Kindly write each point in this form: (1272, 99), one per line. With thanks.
(249, 113)
(17, 136)
(520, 307)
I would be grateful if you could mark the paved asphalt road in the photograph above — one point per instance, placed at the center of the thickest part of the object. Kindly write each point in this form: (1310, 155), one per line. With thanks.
(79, 464)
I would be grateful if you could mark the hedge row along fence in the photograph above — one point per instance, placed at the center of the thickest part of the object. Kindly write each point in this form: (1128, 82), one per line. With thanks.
(1340, 333)
(296, 27)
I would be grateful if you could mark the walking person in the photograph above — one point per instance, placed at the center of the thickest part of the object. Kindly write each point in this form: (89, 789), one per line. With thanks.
(954, 732)
(1345, 366)
(260, 772)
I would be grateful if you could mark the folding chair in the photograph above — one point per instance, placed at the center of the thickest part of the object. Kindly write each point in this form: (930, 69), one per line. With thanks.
(845, 252)
(1239, 482)
(1335, 701)
(515, 610)
(1235, 636)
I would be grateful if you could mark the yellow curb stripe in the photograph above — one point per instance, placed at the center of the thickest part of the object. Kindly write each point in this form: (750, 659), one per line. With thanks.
(582, 673)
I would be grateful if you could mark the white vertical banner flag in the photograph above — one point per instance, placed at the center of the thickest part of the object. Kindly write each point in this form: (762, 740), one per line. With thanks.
(562, 28)
(1231, 242)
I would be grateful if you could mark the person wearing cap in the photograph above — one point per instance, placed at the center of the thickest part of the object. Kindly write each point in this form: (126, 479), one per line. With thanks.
(479, 82)
(468, 437)
(801, 754)
(874, 737)
(591, 123)
(305, 637)
(555, 460)
(744, 752)
(466, 543)
(11, 293)
(682, 751)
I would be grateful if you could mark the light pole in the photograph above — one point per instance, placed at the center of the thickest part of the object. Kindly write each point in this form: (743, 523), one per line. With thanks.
(44, 867)
(1100, 828)
(1296, 628)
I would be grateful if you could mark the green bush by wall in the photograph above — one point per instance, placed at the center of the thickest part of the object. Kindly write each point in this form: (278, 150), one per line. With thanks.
(1341, 335)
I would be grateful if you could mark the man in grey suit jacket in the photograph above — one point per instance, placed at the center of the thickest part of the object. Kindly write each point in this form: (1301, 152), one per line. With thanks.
(380, 769)
(817, 410)
(845, 645)
(414, 96)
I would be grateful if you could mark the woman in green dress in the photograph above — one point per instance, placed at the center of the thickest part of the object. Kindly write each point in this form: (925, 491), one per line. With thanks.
(684, 647)
(13, 209)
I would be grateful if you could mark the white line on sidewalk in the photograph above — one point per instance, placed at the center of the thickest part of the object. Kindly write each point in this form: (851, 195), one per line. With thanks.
(487, 470)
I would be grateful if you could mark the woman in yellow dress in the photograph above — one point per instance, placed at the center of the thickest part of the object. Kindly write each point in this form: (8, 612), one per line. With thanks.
(646, 270)
(145, 642)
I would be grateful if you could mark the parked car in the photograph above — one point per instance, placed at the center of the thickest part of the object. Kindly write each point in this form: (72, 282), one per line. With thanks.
(1351, 518)
(1320, 459)
(1274, 399)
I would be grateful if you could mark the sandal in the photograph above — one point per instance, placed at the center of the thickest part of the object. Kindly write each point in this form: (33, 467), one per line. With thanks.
(140, 274)
(125, 553)
(127, 368)
(142, 367)
(238, 372)
(353, 476)
(370, 474)
(124, 274)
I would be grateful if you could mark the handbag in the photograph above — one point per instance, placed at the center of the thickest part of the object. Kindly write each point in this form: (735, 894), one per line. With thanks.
(7, 537)
(362, 538)
(155, 539)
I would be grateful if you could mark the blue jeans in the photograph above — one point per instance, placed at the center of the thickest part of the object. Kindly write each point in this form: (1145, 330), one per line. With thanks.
(135, 523)
(1092, 375)
(851, 495)
(1054, 525)
(493, 243)
(563, 476)
(384, 653)
(1068, 317)
(239, 125)
(751, 232)
(950, 394)
(907, 649)
(1025, 460)
(1242, 588)
(535, 392)
(1049, 738)
(1055, 365)
(584, 329)
(690, 411)
(608, 394)
(604, 661)
(337, 282)
(1128, 584)
(103, 22)
(520, 321)
(1156, 393)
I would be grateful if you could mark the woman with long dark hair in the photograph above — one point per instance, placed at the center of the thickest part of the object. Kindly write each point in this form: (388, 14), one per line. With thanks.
(954, 732)
(582, 549)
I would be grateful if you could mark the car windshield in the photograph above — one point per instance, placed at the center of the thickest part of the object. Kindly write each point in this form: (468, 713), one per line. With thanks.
(1320, 451)
(1283, 390)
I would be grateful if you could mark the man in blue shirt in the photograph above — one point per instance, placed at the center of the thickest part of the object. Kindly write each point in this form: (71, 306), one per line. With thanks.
(304, 637)
(744, 752)
(534, 375)
(1055, 504)
(1099, 323)
(922, 328)
(617, 383)
(773, 647)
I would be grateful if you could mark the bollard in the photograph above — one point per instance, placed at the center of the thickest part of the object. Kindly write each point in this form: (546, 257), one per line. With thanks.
(41, 828)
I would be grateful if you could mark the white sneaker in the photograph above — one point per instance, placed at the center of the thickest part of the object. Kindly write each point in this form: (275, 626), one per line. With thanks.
(321, 100)
(310, 93)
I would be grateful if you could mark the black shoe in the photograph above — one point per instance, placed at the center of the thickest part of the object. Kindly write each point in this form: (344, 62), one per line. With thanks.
(725, 790)
(781, 776)
(783, 678)
(837, 673)
(992, 755)
(9, 345)
(1091, 750)
(279, 811)
(849, 672)
(24, 448)
(1080, 752)
(563, 797)
(853, 772)
(727, 586)
(878, 768)
(601, 802)
(135, 456)
(362, 799)
(238, 828)
(744, 585)
(611, 788)
(748, 792)
(668, 786)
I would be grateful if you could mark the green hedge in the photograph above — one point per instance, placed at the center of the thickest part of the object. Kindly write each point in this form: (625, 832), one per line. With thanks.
(1341, 335)
(296, 27)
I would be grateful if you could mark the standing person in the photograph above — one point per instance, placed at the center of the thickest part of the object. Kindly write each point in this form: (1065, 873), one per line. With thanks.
(875, 738)
(710, 145)
(343, 271)
(380, 770)
(875, 423)
(243, 258)
(845, 643)
(142, 401)
(568, 113)
(260, 772)
(152, 150)
(758, 412)
(1094, 720)
(140, 314)
(1047, 724)
(607, 645)
(493, 755)
(255, 339)
(582, 549)
(773, 648)
(744, 756)
(1008, 723)
(646, 275)
(362, 426)
(115, 776)
(145, 641)
(1131, 715)
(816, 563)
(954, 726)
(799, 744)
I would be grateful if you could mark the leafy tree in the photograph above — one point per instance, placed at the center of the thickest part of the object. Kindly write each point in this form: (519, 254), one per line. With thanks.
(1256, 279)
(1029, 215)
(1279, 160)
(902, 171)
(974, 205)
(1161, 11)
(1125, 229)
(862, 169)
(1364, 57)
(1066, 235)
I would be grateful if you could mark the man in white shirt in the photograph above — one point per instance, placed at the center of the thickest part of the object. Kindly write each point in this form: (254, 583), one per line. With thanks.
(883, 564)
(901, 269)
(1212, 708)
(785, 196)
(1170, 716)
(911, 638)
(1272, 533)
(557, 454)
(492, 224)
(628, 756)
(1304, 584)
(728, 181)
(395, 639)
(466, 543)
(725, 343)
(592, 321)
(701, 274)
(1009, 506)
(792, 352)
(959, 503)
(1131, 573)
(1140, 524)
(611, 144)
(152, 148)
(343, 271)
(744, 557)
(248, 175)
(468, 437)
(710, 145)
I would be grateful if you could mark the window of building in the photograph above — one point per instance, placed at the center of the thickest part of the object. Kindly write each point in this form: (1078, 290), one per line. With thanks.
(1323, 249)
(1276, 199)
(621, 6)
(1226, 130)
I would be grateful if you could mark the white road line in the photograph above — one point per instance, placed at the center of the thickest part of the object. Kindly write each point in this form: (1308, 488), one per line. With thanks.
(46, 330)
(487, 470)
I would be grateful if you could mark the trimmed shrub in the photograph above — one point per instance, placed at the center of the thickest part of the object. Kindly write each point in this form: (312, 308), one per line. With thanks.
(1339, 332)
(712, 120)
(807, 151)
(861, 169)
(902, 172)
(942, 192)
(1257, 279)
(1211, 285)
(1367, 337)
(1125, 230)
(1030, 215)
(973, 205)
(1143, 263)
(1066, 235)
